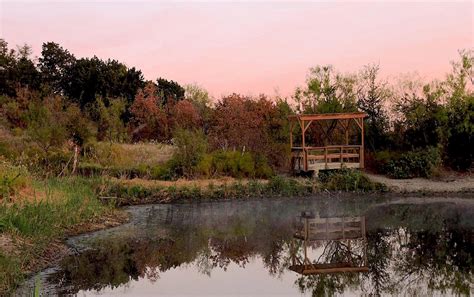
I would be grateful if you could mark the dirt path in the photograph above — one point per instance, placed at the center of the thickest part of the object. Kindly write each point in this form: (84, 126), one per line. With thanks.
(458, 184)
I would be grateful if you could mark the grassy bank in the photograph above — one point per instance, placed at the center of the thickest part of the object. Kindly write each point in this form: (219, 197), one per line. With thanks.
(36, 219)
(139, 191)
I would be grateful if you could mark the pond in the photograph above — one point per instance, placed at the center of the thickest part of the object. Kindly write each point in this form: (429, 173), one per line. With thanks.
(284, 247)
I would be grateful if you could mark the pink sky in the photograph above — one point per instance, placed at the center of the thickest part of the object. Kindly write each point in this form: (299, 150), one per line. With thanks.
(249, 48)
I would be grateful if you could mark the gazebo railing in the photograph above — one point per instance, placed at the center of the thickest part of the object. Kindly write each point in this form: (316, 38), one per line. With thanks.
(330, 154)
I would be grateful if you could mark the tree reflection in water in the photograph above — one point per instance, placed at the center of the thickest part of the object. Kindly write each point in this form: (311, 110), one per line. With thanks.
(410, 248)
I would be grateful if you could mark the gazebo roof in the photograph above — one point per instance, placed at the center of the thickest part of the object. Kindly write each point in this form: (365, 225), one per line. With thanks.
(328, 116)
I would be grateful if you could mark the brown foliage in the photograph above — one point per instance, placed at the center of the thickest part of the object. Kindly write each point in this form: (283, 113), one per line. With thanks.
(148, 119)
(185, 115)
(241, 122)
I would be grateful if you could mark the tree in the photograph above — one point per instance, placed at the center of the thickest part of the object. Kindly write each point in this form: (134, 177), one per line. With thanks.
(45, 126)
(372, 97)
(53, 64)
(327, 91)
(201, 100)
(460, 105)
(148, 121)
(421, 119)
(110, 124)
(17, 70)
(7, 69)
(169, 90)
(92, 78)
(85, 81)
(184, 115)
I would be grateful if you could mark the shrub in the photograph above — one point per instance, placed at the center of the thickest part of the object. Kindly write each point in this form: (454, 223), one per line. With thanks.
(347, 180)
(420, 163)
(235, 164)
(204, 167)
(190, 149)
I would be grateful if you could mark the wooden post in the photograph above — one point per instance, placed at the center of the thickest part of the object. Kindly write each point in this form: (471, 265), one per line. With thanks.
(347, 131)
(305, 156)
(326, 157)
(340, 157)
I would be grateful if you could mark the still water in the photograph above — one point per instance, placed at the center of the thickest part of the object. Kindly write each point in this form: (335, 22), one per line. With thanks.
(285, 247)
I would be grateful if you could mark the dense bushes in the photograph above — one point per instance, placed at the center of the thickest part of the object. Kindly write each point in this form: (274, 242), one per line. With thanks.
(419, 163)
(348, 180)
(234, 163)
(218, 163)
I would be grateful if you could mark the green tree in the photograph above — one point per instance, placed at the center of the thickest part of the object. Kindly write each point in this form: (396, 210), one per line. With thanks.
(45, 128)
(109, 120)
(169, 90)
(327, 91)
(372, 98)
(460, 128)
(53, 64)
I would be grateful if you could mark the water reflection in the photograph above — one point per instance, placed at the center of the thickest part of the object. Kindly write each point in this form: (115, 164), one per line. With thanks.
(317, 247)
(342, 240)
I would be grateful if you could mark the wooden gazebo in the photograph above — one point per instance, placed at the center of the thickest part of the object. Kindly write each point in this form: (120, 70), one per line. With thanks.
(347, 153)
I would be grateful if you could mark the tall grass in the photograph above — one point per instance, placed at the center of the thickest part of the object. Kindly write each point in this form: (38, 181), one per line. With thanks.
(39, 220)
(68, 201)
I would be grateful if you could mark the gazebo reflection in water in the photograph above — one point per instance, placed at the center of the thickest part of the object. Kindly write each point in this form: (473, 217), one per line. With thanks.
(341, 242)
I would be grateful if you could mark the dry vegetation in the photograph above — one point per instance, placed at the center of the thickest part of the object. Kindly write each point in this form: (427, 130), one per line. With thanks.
(123, 155)
(195, 183)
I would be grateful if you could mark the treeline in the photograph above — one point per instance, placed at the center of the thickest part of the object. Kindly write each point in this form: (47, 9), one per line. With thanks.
(58, 101)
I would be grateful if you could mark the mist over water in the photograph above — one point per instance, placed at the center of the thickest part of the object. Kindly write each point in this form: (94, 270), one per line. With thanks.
(410, 246)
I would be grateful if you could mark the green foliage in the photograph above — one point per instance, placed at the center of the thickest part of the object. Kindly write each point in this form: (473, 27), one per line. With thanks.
(372, 98)
(67, 202)
(348, 180)
(53, 64)
(327, 91)
(423, 119)
(420, 163)
(281, 186)
(44, 128)
(88, 79)
(169, 90)
(50, 216)
(460, 140)
(235, 164)
(190, 149)
(109, 119)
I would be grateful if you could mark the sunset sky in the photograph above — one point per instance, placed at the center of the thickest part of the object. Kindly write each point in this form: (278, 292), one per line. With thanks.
(245, 47)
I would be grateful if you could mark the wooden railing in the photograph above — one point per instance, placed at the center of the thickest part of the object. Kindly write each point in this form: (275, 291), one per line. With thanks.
(328, 154)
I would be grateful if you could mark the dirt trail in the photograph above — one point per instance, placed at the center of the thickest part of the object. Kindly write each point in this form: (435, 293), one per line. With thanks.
(457, 184)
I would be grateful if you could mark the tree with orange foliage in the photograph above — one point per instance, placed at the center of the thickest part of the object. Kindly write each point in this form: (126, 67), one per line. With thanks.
(185, 115)
(148, 119)
(244, 123)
